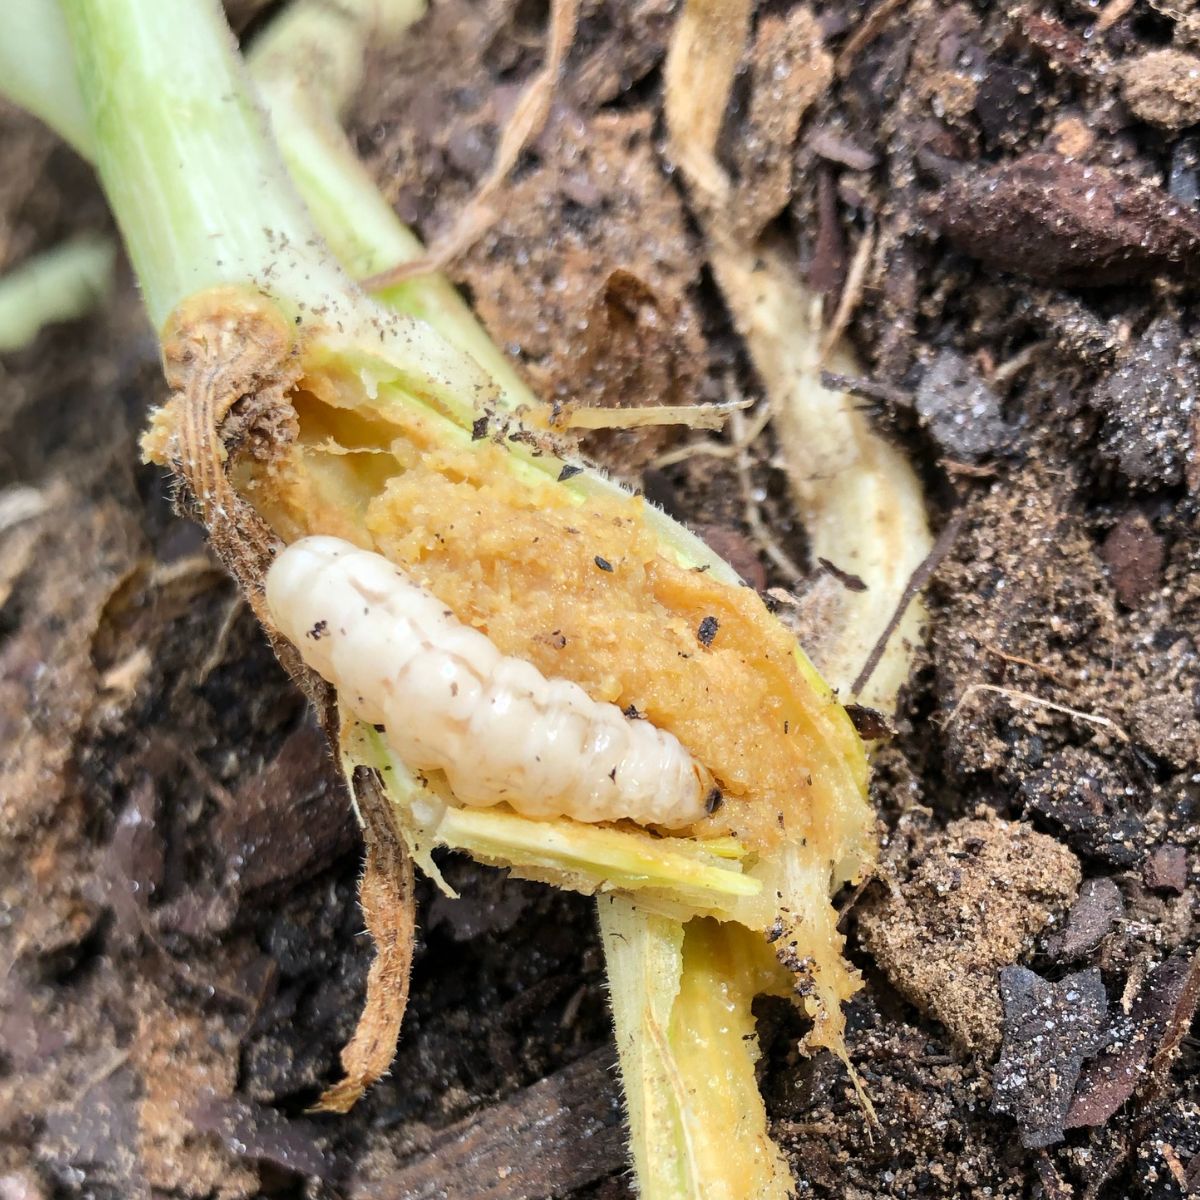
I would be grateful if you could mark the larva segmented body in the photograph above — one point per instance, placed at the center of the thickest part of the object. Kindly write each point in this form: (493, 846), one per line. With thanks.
(449, 700)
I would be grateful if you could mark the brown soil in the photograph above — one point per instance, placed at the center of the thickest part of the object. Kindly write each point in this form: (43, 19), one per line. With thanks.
(181, 954)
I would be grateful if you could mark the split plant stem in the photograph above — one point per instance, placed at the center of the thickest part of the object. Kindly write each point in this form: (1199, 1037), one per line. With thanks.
(261, 272)
(681, 995)
(684, 1026)
(261, 326)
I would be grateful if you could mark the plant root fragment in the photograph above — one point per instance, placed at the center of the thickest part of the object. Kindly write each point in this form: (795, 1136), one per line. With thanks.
(386, 895)
(1039, 702)
(227, 352)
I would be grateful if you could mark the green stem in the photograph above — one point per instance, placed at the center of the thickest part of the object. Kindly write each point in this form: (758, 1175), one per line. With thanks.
(37, 70)
(56, 285)
(361, 228)
(324, 45)
(198, 187)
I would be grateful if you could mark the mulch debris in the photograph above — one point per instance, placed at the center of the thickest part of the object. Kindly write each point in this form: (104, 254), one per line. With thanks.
(1096, 911)
(1142, 1044)
(1049, 1030)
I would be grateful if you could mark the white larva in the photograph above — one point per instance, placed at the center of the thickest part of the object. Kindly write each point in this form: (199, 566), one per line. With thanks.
(449, 700)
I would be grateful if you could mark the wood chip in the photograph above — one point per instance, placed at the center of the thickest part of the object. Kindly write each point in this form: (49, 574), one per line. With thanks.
(1158, 1021)
(1092, 917)
(790, 70)
(549, 1139)
(1049, 1029)
(1061, 221)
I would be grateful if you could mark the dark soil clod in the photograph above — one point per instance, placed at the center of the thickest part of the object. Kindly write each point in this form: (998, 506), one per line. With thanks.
(1135, 556)
(1091, 803)
(960, 410)
(1148, 403)
(1166, 870)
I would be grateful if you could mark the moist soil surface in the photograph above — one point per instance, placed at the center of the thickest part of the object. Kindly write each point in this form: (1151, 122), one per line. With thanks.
(181, 951)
